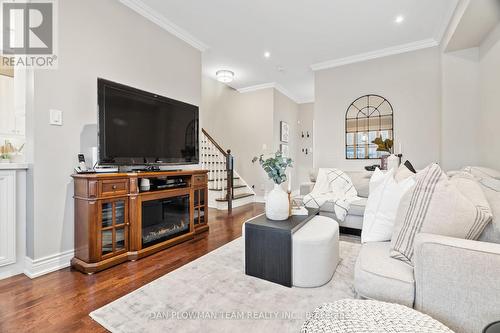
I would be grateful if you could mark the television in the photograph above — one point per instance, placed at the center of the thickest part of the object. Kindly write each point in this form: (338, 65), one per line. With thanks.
(136, 127)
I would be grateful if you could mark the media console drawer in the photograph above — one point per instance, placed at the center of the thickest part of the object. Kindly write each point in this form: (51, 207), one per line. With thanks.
(112, 187)
(199, 180)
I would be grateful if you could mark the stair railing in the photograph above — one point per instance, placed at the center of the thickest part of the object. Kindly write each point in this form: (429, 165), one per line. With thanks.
(217, 175)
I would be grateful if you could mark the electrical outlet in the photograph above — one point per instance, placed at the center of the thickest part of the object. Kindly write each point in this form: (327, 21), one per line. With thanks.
(56, 117)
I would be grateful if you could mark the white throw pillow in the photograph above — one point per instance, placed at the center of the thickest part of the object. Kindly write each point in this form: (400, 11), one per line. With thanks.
(382, 205)
(455, 207)
(482, 172)
(403, 173)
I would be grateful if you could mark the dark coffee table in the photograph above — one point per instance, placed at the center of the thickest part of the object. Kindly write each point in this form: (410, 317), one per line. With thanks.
(268, 246)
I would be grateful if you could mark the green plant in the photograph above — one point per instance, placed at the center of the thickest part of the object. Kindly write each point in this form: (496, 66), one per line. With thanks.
(275, 166)
(383, 145)
(4, 156)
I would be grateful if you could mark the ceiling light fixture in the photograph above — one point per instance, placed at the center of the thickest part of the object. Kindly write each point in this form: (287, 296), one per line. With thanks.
(267, 54)
(399, 19)
(224, 76)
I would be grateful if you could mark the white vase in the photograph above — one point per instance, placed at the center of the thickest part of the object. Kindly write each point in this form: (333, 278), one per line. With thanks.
(392, 162)
(277, 204)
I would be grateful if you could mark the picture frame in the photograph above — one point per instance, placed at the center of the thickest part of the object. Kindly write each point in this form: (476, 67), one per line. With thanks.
(285, 150)
(284, 131)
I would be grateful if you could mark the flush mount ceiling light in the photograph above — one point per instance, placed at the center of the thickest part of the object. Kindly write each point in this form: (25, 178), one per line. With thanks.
(399, 19)
(224, 76)
(267, 54)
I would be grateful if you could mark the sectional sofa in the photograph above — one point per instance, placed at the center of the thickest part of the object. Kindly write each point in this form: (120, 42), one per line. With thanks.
(456, 281)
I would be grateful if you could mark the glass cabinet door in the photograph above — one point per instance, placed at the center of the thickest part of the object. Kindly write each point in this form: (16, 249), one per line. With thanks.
(200, 196)
(114, 227)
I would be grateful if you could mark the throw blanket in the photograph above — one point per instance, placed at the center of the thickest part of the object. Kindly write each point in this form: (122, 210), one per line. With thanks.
(332, 185)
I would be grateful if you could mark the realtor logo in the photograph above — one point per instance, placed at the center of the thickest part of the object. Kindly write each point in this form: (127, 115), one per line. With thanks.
(28, 33)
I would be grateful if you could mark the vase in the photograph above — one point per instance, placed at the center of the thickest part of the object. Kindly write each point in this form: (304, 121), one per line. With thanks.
(383, 162)
(392, 162)
(277, 204)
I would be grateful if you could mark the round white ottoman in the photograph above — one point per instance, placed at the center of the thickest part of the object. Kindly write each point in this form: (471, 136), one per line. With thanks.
(315, 254)
(351, 315)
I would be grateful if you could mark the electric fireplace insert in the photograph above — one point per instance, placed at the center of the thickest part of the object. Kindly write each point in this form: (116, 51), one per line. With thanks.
(164, 219)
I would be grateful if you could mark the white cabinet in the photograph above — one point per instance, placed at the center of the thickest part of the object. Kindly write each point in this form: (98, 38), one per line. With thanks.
(7, 217)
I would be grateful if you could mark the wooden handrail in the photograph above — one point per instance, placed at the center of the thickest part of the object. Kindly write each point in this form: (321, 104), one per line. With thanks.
(214, 142)
(229, 170)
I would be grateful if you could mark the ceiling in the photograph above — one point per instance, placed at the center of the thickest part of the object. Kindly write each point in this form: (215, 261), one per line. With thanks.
(300, 35)
(478, 19)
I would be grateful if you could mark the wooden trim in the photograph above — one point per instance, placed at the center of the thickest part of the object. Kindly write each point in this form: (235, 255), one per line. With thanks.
(201, 228)
(155, 195)
(223, 152)
(135, 228)
(161, 246)
(151, 174)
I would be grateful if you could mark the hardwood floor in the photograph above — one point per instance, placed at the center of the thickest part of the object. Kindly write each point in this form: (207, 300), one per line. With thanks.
(61, 301)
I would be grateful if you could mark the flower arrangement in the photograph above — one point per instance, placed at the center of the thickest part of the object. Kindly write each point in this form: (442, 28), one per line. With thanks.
(384, 145)
(275, 166)
(8, 150)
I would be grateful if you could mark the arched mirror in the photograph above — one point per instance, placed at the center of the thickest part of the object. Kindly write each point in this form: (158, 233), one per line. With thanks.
(367, 118)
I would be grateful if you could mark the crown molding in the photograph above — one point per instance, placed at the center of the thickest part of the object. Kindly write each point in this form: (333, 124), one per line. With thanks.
(257, 87)
(306, 101)
(448, 17)
(403, 48)
(453, 23)
(285, 92)
(272, 85)
(142, 9)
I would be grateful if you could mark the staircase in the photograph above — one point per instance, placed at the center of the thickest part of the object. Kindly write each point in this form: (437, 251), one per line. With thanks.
(226, 189)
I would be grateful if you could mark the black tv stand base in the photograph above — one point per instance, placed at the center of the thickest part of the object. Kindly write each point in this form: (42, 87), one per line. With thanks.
(151, 168)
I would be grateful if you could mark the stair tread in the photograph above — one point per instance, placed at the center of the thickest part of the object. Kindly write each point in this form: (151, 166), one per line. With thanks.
(235, 186)
(236, 197)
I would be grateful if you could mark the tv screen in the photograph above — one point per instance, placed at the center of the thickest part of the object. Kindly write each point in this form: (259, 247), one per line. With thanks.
(141, 128)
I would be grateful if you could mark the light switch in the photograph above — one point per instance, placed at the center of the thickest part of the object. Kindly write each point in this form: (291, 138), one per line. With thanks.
(56, 118)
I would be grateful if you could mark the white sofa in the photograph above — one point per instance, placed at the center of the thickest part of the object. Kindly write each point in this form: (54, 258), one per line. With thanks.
(456, 281)
(354, 218)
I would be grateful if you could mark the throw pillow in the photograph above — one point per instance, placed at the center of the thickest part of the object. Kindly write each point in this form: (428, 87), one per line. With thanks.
(410, 166)
(361, 181)
(482, 172)
(455, 207)
(382, 205)
(403, 172)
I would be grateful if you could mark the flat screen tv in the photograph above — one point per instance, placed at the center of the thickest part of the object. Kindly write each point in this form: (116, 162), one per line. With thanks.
(141, 128)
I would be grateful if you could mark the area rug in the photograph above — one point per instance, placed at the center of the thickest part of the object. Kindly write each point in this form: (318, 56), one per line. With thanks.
(212, 294)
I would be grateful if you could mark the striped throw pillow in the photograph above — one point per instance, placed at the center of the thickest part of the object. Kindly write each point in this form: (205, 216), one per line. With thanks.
(455, 207)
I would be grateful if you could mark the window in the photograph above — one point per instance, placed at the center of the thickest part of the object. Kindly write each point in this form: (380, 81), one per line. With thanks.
(367, 118)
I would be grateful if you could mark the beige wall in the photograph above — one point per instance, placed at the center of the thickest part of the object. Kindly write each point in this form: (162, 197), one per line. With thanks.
(96, 39)
(305, 162)
(489, 73)
(460, 109)
(288, 111)
(249, 124)
(412, 84)
(242, 123)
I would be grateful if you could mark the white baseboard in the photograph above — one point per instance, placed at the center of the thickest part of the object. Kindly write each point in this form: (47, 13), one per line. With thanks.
(4, 274)
(37, 267)
(260, 198)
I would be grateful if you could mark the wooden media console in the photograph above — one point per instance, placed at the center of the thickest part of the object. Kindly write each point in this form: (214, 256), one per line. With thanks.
(116, 220)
